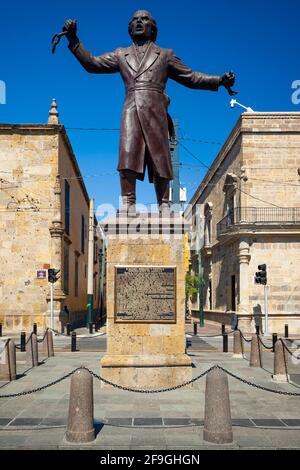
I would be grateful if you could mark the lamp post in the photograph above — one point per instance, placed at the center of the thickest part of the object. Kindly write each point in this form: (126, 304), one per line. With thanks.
(200, 281)
(90, 283)
(234, 102)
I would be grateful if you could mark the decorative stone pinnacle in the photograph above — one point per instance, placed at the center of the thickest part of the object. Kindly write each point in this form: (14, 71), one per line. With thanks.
(53, 113)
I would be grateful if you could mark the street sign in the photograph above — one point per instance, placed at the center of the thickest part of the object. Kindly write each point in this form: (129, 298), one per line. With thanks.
(41, 274)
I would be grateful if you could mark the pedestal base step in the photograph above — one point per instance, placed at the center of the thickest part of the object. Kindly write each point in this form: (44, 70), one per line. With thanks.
(150, 372)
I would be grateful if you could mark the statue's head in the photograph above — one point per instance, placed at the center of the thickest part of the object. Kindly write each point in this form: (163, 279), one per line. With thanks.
(142, 26)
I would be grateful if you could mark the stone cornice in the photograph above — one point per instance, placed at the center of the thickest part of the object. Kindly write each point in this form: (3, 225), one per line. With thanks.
(229, 237)
(245, 125)
(50, 128)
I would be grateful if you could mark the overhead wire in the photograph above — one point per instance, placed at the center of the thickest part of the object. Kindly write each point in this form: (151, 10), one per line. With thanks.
(219, 174)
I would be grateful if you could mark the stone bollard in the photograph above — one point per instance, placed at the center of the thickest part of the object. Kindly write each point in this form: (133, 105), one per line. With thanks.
(8, 362)
(255, 354)
(238, 346)
(12, 359)
(32, 351)
(50, 343)
(280, 363)
(217, 419)
(45, 345)
(80, 426)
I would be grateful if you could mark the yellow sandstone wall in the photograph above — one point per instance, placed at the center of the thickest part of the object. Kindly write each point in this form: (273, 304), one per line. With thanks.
(29, 160)
(263, 151)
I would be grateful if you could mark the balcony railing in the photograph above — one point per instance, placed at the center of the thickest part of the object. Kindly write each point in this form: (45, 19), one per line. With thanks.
(258, 216)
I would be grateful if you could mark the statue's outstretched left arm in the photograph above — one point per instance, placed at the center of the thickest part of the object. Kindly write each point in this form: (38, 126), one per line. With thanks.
(181, 73)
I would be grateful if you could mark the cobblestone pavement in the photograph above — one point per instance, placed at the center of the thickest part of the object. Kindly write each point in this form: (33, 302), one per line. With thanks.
(171, 420)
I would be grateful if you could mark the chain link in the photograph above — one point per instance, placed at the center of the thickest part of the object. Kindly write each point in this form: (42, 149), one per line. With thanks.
(29, 339)
(44, 337)
(128, 389)
(176, 387)
(260, 387)
(287, 349)
(43, 387)
(261, 342)
(58, 333)
(245, 339)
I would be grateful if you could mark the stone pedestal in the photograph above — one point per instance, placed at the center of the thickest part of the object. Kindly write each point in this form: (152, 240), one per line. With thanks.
(146, 307)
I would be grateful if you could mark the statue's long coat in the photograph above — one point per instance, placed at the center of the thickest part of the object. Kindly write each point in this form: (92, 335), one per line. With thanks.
(144, 129)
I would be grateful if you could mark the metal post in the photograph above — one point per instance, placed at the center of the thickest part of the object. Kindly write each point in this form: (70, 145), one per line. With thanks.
(266, 332)
(68, 329)
(102, 279)
(51, 306)
(0, 329)
(257, 329)
(286, 331)
(223, 329)
(73, 341)
(90, 283)
(34, 328)
(274, 339)
(200, 287)
(225, 343)
(91, 328)
(23, 341)
(176, 165)
(195, 328)
(200, 284)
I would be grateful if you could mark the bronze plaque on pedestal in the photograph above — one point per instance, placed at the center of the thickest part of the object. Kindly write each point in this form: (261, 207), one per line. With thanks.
(145, 294)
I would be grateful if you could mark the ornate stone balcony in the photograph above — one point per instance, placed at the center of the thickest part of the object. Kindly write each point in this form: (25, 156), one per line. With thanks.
(245, 219)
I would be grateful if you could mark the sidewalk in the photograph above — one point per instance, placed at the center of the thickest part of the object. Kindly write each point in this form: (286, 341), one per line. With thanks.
(170, 420)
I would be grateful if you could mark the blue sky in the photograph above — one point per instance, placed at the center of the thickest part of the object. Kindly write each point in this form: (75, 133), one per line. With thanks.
(259, 40)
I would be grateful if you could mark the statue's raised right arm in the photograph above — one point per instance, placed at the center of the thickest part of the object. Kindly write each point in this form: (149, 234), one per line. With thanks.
(106, 63)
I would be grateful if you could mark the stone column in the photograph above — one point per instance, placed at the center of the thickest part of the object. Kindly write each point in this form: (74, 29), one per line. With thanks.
(244, 259)
(57, 231)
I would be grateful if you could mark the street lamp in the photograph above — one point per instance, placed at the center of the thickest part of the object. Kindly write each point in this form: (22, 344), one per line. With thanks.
(234, 102)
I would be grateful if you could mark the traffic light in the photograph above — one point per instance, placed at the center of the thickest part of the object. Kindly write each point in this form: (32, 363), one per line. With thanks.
(261, 274)
(52, 275)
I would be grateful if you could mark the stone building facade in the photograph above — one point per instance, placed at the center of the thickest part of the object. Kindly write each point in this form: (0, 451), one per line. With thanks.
(44, 217)
(249, 205)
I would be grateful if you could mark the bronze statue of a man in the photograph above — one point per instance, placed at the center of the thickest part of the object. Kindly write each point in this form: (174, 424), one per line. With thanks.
(145, 69)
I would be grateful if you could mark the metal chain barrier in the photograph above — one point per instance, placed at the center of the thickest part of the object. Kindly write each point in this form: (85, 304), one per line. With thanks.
(29, 339)
(245, 339)
(41, 340)
(58, 333)
(43, 387)
(260, 387)
(128, 389)
(261, 342)
(286, 348)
